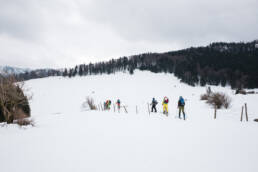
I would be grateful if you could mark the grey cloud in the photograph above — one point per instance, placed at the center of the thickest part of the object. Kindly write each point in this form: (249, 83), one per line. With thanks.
(41, 33)
(20, 18)
(181, 21)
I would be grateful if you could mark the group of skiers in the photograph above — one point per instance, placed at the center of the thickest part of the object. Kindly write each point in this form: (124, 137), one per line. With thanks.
(107, 104)
(181, 106)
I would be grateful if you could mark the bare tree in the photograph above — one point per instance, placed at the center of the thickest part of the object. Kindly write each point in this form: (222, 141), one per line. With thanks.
(14, 104)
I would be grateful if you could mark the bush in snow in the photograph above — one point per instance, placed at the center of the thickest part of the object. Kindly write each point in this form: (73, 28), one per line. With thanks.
(204, 97)
(219, 100)
(207, 94)
(89, 104)
(216, 99)
(14, 104)
(25, 122)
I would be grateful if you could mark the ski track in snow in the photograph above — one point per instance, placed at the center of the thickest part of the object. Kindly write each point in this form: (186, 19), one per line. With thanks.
(66, 138)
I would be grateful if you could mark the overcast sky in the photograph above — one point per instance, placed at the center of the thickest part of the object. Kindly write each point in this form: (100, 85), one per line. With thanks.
(62, 33)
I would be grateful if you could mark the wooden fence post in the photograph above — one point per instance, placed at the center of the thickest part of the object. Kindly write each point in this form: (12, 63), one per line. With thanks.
(125, 109)
(241, 118)
(148, 108)
(101, 107)
(246, 112)
(215, 112)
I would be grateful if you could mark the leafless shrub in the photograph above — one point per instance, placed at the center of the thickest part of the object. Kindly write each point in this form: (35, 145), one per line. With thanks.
(14, 104)
(204, 97)
(219, 100)
(240, 91)
(207, 94)
(216, 99)
(89, 104)
(25, 122)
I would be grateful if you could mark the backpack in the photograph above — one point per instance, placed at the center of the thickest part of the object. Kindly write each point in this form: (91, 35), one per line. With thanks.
(154, 102)
(182, 102)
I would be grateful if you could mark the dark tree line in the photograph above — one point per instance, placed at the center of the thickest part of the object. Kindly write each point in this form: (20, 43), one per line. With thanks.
(234, 64)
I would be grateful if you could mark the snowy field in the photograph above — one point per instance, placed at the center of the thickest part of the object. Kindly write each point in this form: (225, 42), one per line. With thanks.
(67, 138)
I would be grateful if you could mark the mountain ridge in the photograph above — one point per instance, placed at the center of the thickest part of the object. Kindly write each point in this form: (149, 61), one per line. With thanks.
(10, 70)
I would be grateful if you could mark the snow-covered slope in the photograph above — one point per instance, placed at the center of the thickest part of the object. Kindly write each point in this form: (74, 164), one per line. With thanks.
(67, 138)
(8, 70)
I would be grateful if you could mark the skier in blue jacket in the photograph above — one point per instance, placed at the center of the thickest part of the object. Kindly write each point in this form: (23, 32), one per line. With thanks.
(181, 106)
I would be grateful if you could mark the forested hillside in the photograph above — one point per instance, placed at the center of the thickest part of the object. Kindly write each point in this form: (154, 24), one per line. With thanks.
(234, 64)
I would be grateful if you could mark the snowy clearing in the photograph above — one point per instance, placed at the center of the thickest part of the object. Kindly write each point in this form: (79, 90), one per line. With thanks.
(67, 138)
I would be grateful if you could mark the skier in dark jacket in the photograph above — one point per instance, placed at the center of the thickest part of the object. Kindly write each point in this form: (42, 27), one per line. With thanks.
(153, 105)
(181, 106)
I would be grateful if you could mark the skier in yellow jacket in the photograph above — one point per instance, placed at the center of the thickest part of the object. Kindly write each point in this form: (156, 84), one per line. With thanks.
(165, 105)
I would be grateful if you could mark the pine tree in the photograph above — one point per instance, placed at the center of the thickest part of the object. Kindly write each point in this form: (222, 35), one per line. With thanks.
(65, 73)
(81, 70)
(70, 73)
